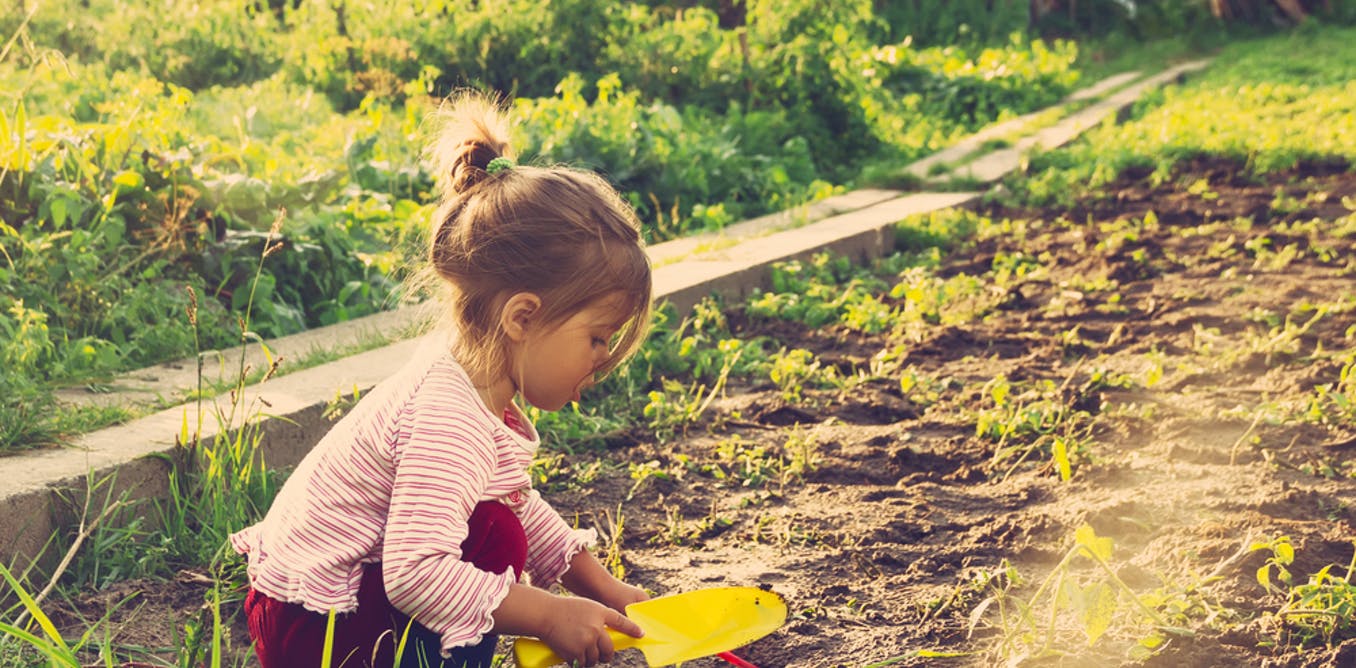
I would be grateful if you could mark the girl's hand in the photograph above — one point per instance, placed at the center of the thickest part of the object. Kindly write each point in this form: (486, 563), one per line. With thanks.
(617, 595)
(577, 630)
(587, 577)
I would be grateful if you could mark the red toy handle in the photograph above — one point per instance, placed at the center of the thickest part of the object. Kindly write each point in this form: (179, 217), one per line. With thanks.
(733, 660)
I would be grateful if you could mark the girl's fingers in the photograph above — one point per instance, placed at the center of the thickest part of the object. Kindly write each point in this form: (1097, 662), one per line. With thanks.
(624, 624)
(605, 648)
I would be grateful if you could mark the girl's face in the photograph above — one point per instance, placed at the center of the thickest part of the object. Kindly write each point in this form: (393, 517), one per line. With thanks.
(556, 364)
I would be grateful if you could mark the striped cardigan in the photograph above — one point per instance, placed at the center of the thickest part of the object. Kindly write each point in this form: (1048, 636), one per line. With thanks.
(395, 482)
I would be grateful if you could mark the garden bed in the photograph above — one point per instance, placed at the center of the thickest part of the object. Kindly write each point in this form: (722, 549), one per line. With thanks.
(1182, 353)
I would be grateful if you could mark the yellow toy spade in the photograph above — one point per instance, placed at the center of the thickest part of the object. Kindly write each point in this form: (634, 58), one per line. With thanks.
(683, 627)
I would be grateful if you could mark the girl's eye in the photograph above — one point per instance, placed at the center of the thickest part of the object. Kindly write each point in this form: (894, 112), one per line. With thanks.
(599, 342)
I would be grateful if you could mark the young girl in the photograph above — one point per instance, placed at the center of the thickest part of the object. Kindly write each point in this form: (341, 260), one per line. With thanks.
(414, 519)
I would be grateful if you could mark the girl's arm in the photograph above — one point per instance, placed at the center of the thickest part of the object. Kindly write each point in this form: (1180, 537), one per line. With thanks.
(588, 578)
(557, 552)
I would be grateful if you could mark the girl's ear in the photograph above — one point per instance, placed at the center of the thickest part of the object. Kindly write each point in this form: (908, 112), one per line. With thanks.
(516, 316)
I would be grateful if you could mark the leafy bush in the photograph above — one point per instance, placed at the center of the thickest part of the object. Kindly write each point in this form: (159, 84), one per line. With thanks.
(666, 159)
(105, 224)
(685, 59)
(951, 22)
(191, 44)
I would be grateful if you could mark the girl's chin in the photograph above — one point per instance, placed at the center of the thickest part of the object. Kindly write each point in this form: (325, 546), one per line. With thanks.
(554, 406)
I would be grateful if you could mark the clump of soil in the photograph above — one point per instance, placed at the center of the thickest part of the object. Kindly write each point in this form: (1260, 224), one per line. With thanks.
(879, 513)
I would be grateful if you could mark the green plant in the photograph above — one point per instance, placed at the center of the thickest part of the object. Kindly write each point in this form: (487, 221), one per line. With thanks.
(791, 370)
(676, 406)
(673, 529)
(49, 642)
(1321, 609)
(1335, 402)
(1282, 555)
(615, 531)
(1035, 421)
(1090, 604)
(748, 464)
(1318, 611)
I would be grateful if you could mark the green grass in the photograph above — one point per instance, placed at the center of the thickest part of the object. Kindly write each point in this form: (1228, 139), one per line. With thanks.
(1257, 105)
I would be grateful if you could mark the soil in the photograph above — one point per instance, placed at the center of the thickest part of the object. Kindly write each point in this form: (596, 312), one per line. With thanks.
(888, 546)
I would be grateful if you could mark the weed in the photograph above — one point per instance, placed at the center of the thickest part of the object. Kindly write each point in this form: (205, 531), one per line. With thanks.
(792, 370)
(341, 404)
(676, 406)
(614, 531)
(1037, 627)
(643, 473)
(1319, 611)
(673, 529)
(802, 453)
(1282, 555)
(1201, 189)
(921, 389)
(748, 464)
(217, 486)
(1335, 403)
(1283, 204)
(48, 641)
(1034, 421)
(1266, 258)
(556, 471)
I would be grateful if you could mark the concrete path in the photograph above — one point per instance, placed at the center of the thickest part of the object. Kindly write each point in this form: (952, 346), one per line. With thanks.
(39, 490)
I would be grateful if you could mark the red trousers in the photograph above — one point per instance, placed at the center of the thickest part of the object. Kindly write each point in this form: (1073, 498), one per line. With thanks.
(287, 635)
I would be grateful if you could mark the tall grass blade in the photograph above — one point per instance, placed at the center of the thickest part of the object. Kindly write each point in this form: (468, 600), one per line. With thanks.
(327, 654)
(32, 606)
(58, 658)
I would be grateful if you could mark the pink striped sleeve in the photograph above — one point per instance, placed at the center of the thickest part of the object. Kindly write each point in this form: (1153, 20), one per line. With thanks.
(441, 472)
(551, 542)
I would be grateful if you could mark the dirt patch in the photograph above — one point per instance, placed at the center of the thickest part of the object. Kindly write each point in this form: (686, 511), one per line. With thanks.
(1189, 341)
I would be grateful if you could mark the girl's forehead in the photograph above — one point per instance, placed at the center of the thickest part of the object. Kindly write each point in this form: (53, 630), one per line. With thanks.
(613, 309)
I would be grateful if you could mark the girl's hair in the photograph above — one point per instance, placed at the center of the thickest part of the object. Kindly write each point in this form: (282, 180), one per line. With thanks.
(560, 233)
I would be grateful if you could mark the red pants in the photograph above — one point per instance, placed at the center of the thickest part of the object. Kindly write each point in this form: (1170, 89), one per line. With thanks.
(287, 635)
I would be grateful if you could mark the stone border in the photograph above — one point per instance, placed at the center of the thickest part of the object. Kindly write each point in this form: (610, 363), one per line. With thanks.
(38, 490)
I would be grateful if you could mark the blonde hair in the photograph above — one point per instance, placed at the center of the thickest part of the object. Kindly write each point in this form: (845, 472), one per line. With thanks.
(560, 233)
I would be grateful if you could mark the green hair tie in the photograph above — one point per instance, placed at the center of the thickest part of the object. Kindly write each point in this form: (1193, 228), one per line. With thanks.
(498, 165)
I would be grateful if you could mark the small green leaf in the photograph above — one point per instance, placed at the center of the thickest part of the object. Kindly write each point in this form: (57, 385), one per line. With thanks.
(1096, 546)
(1061, 455)
(1097, 605)
(1264, 576)
(1285, 553)
(58, 209)
(129, 179)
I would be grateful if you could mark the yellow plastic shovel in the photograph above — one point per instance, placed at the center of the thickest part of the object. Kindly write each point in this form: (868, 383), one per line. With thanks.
(683, 627)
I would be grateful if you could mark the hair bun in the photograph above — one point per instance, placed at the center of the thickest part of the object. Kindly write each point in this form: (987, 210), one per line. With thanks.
(471, 165)
(474, 132)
